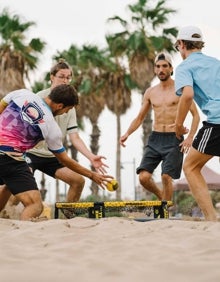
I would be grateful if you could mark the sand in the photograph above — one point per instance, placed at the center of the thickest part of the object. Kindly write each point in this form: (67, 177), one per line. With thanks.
(113, 249)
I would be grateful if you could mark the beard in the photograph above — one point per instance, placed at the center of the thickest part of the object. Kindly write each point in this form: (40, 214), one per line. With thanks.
(163, 76)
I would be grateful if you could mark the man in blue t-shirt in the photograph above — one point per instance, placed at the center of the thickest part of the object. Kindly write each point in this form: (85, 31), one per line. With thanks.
(198, 78)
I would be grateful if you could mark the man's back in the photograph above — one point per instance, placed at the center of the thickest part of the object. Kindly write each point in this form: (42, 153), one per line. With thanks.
(202, 73)
(67, 123)
(25, 121)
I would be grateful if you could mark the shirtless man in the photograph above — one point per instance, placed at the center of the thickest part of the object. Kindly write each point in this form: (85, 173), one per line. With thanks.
(163, 146)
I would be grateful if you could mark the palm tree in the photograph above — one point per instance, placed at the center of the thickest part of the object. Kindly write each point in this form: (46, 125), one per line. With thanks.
(17, 57)
(140, 39)
(118, 100)
(118, 88)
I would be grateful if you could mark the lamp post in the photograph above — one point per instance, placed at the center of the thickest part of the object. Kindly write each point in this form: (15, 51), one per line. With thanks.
(133, 163)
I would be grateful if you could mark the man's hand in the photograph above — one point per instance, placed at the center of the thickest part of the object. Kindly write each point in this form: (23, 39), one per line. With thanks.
(101, 179)
(180, 130)
(186, 144)
(122, 140)
(98, 164)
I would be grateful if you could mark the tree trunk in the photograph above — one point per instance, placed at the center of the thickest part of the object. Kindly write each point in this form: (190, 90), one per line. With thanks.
(11, 72)
(94, 146)
(57, 191)
(118, 157)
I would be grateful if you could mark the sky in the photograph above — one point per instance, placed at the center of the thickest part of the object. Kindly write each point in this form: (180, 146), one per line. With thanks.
(66, 22)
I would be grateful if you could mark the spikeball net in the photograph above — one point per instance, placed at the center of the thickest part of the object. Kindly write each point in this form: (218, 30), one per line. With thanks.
(151, 209)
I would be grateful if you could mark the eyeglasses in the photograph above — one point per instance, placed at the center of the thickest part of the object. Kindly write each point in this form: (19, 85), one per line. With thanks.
(62, 77)
(177, 46)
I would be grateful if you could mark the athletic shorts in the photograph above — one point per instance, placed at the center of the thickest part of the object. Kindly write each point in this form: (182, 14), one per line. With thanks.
(163, 147)
(46, 165)
(207, 140)
(16, 175)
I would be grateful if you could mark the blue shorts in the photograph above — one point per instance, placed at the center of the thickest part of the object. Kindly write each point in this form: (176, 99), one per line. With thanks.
(163, 147)
(16, 175)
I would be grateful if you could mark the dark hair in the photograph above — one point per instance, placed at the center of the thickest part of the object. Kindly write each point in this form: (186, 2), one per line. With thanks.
(161, 57)
(60, 66)
(65, 94)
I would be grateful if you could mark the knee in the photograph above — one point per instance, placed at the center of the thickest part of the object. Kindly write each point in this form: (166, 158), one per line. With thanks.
(186, 169)
(81, 182)
(144, 177)
(32, 210)
(78, 181)
(36, 206)
(32, 203)
(39, 208)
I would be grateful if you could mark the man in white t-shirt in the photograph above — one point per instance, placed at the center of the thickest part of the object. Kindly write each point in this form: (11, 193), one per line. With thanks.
(40, 158)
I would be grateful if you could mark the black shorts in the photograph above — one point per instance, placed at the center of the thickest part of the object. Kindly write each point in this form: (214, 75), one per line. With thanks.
(46, 165)
(163, 147)
(207, 140)
(16, 175)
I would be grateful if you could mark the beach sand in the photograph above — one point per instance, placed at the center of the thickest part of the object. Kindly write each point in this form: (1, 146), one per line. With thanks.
(111, 249)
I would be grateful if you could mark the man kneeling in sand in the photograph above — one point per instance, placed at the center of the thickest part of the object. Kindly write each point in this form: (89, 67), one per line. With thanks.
(26, 119)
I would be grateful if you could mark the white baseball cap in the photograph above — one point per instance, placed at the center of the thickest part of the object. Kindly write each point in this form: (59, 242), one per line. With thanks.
(163, 56)
(190, 33)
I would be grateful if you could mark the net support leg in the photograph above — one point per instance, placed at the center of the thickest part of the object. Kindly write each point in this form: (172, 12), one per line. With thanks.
(97, 211)
(161, 211)
(56, 212)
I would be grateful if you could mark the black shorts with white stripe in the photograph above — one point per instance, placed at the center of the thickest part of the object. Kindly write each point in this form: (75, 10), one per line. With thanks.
(207, 140)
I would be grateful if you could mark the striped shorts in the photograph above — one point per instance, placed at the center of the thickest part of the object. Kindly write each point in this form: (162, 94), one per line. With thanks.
(207, 141)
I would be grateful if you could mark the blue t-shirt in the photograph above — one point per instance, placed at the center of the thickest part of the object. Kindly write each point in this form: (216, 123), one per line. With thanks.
(201, 72)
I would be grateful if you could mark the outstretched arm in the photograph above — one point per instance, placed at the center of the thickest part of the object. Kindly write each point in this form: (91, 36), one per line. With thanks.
(95, 160)
(138, 120)
(100, 179)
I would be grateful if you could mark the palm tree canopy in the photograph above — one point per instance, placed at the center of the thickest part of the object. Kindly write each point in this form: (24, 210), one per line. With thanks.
(17, 56)
(142, 37)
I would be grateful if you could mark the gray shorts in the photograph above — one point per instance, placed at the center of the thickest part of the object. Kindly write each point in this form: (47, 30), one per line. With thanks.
(163, 147)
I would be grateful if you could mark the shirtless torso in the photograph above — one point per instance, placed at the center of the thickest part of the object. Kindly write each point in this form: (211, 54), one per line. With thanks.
(164, 103)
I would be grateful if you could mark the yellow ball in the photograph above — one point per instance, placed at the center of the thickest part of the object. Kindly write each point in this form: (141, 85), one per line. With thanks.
(112, 185)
